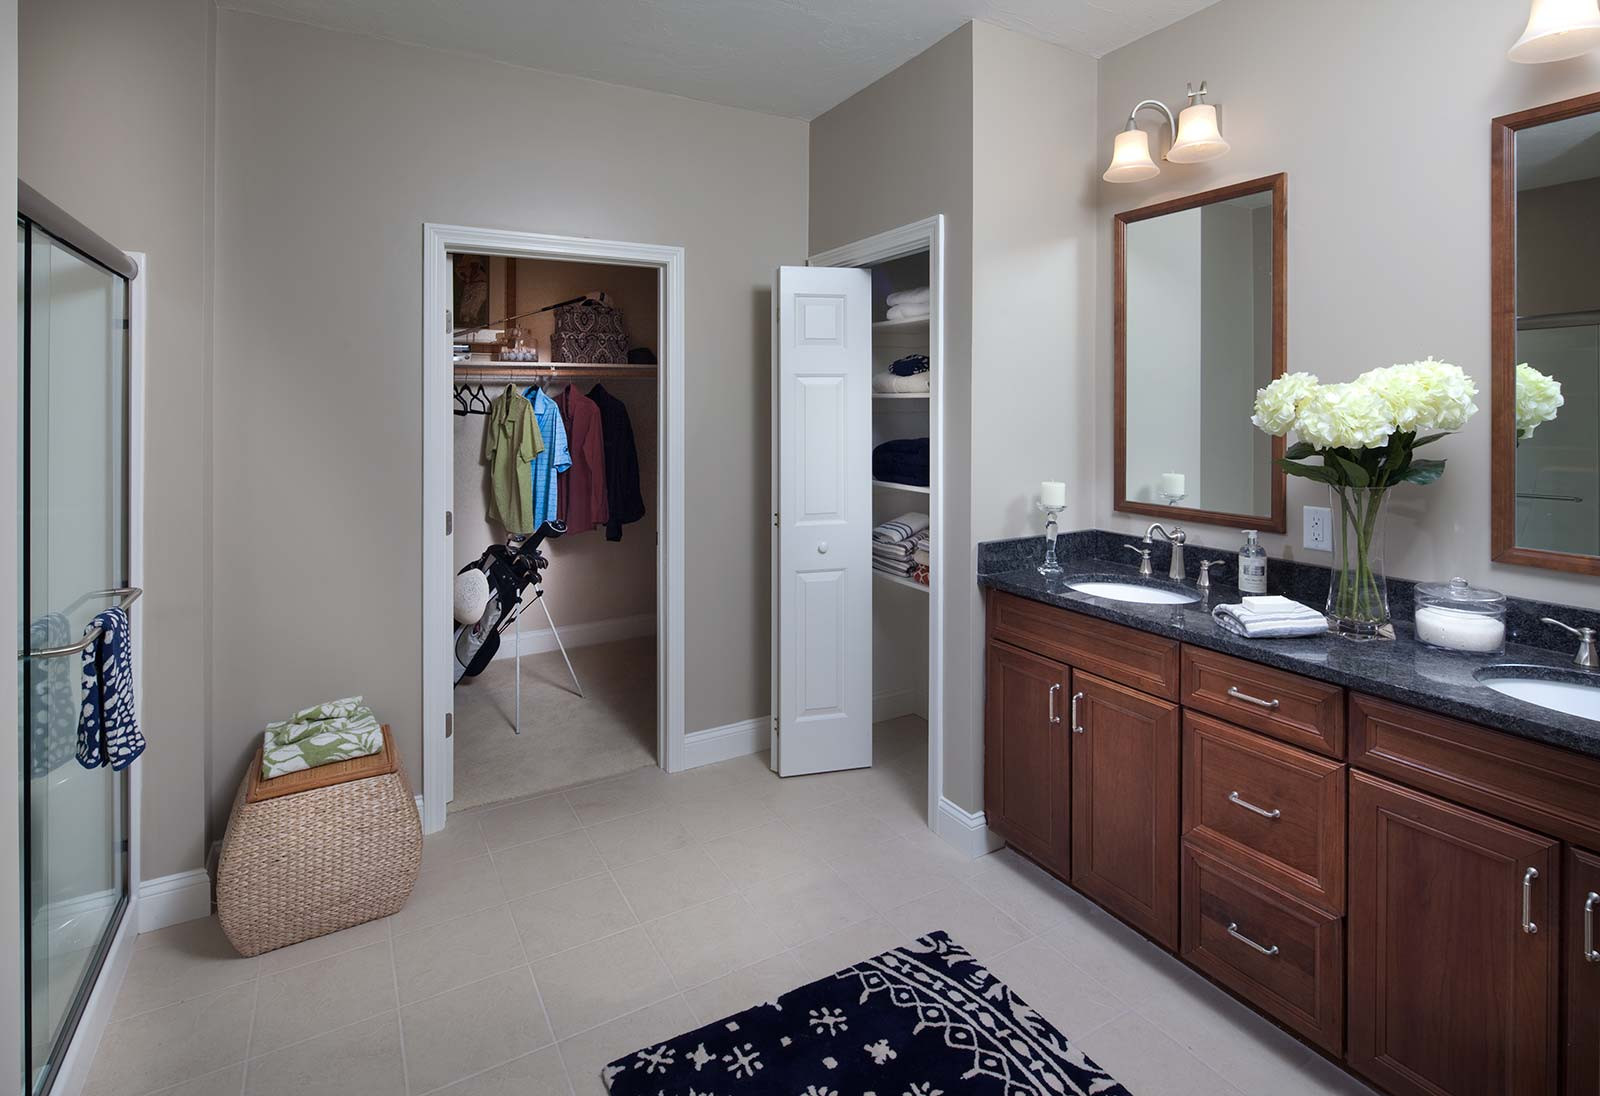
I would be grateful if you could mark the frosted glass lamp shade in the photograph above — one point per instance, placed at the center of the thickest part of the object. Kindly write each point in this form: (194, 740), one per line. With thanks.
(1198, 139)
(1130, 158)
(1557, 30)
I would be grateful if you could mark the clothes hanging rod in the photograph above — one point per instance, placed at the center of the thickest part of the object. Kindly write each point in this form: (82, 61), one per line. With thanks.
(492, 373)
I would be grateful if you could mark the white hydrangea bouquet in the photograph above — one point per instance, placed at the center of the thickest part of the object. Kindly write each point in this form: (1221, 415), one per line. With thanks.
(1538, 399)
(1366, 433)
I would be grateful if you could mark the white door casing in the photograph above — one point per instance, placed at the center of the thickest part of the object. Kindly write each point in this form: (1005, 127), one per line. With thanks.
(823, 502)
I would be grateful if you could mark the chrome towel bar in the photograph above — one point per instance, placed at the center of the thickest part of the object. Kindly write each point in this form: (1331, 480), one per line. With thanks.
(125, 595)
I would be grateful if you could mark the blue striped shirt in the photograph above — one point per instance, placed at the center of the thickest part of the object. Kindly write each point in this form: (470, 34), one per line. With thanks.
(555, 459)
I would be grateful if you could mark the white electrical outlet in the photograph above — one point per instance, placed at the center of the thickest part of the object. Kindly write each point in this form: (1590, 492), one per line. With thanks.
(1319, 528)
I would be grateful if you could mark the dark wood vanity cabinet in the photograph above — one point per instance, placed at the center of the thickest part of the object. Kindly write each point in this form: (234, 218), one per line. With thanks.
(1125, 758)
(1580, 945)
(1027, 783)
(1453, 947)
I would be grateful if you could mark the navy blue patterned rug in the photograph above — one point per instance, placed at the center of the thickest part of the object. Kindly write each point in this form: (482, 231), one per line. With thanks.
(922, 1020)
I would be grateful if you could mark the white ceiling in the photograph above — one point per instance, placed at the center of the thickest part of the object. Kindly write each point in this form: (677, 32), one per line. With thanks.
(790, 57)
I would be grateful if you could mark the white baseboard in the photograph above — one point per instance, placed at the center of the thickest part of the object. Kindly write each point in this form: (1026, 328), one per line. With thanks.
(966, 830)
(79, 1056)
(539, 640)
(174, 899)
(724, 743)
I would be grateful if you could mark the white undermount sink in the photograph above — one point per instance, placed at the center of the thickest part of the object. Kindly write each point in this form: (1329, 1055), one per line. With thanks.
(1128, 591)
(1579, 698)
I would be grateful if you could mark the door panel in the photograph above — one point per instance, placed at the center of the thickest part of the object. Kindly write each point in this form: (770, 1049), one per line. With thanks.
(823, 472)
(1450, 990)
(1581, 944)
(1027, 774)
(1125, 824)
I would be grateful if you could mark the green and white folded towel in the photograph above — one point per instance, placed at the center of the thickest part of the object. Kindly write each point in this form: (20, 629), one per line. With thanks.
(336, 731)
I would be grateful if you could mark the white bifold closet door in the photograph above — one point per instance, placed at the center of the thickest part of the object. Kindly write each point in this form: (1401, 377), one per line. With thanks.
(823, 574)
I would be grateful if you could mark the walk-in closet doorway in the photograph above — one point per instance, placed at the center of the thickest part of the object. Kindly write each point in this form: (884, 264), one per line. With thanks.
(451, 512)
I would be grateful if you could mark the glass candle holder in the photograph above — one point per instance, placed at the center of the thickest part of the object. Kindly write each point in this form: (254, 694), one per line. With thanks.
(1050, 568)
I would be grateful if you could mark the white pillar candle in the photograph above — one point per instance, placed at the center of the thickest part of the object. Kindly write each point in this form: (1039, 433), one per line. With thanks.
(1053, 493)
(1172, 483)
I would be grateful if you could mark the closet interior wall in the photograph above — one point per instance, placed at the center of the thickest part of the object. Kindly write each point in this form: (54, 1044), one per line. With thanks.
(899, 608)
(610, 585)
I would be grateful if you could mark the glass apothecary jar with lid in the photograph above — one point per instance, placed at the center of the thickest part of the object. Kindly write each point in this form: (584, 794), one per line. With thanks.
(1458, 616)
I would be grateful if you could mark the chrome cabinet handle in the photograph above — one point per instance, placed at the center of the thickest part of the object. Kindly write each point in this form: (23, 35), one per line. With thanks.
(1054, 689)
(1527, 901)
(1589, 904)
(1076, 727)
(1233, 931)
(1269, 705)
(1233, 797)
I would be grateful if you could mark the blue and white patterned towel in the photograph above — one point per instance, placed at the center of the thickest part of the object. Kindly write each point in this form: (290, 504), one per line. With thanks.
(108, 724)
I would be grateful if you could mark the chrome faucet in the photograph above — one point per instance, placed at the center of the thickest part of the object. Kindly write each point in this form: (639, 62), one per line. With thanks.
(1204, 581)
(1173, 536)
(1587, 657)
(1145, 570)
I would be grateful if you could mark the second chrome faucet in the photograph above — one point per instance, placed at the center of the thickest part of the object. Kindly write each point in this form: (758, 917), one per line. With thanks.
(1173, 536)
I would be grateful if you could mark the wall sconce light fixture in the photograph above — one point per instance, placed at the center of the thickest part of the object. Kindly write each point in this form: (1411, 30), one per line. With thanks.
(1196, 139)
(1557, 30)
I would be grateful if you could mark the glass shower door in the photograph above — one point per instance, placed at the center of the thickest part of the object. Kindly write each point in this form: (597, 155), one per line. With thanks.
(74, 556)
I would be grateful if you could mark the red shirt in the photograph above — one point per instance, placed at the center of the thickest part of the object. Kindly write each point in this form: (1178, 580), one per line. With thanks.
(581, 492)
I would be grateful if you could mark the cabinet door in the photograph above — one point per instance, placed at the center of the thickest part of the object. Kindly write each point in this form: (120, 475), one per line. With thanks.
(1581, 942)
(1453, 950)
(1125, 750)
(1027, 783)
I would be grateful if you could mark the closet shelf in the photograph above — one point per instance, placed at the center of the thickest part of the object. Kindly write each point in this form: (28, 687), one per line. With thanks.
(512, 372)
(901, 325)
(890, 486)
(901, 395)
(898, 580)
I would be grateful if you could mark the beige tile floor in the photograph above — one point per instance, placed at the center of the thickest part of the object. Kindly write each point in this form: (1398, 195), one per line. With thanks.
(548, 936)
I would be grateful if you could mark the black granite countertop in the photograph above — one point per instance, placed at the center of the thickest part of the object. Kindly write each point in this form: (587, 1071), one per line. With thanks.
(1401, 669)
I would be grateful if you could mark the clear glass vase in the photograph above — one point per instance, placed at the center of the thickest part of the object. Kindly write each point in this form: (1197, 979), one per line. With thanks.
(1358, 595)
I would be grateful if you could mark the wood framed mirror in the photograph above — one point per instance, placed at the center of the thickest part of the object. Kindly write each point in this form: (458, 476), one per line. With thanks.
(1199, 325)
(1545, 251)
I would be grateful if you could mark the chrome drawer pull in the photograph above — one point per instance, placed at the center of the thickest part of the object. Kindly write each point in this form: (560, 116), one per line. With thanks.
(1233, 797)
(1269, 705)
(1589, 904)
(1076, 729)
(1233, 931)
(1527, 901)
(1054, 689)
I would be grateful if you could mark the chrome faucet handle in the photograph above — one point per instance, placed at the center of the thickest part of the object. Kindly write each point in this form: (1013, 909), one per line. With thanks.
(1204, 581)
(1145, 570)
(1588, 655)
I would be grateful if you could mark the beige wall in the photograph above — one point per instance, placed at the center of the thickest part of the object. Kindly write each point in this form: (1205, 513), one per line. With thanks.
(1380, 113)
(1558, 248)
(115, 128)
(590, 578)
(332, 152)
(897, 152)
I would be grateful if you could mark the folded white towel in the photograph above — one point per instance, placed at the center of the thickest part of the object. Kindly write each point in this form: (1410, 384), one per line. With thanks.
(909, 296)
(902, 528)
(907, 311)
(889, 382)
(1271, 617)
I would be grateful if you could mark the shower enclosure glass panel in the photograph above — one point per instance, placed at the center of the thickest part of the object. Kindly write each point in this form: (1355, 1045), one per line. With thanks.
(74, 422)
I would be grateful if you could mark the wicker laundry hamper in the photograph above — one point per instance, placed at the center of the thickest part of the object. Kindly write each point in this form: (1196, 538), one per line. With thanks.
(317, 851)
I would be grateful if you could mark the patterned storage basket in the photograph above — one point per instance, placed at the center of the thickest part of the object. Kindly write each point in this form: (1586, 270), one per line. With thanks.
(323, 852)
(590, 331)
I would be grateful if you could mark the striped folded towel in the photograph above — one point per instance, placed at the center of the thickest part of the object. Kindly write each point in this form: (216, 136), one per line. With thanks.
(1271, 617)
(902, 528)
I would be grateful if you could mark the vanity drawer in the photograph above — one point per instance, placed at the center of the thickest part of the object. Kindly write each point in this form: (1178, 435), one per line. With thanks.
(1281, 954)
(1284, 705)
(1276, 811)
(1542, 787)
(1128, 657)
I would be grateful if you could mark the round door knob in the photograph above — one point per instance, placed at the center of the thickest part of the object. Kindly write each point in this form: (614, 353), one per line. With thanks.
(822, 547)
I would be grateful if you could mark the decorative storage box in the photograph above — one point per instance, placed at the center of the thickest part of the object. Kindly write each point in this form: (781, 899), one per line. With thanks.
(317, 851)
(589, 332)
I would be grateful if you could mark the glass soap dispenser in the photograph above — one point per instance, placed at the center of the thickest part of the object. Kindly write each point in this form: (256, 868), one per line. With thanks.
(1252, 564)
(1458, 616)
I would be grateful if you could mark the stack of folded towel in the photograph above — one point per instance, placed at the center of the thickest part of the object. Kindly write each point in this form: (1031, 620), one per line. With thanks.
(909, 374)
(903, 460)
(1271, 617)
(908, 304)
(337, 731)
(895, 544)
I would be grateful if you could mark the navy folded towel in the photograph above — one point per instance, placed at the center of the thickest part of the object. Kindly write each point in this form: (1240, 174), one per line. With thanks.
(910, 365)
(108, 724)
(903, 460)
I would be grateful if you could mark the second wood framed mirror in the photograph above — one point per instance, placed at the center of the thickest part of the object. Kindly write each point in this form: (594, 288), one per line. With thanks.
(1199, 325)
